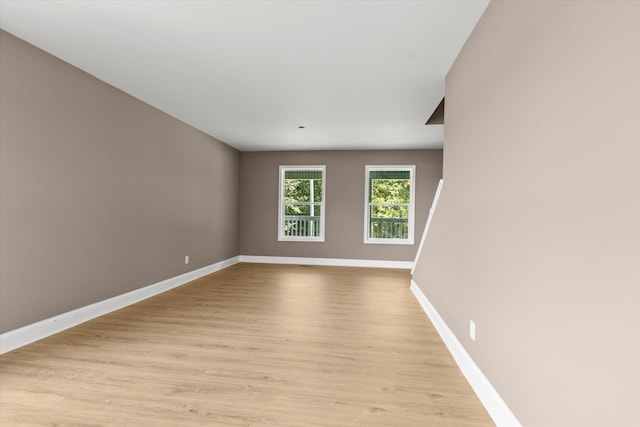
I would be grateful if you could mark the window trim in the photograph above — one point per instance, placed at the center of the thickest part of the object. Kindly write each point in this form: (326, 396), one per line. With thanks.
(412, 203)
(281, 236)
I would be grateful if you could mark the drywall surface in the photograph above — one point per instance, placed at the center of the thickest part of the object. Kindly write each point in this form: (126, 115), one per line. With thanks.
(100, 194)
(536, 237)
(345, 187)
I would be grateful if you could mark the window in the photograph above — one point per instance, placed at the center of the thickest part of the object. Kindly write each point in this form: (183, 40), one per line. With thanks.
(389, 204)
(301, 206)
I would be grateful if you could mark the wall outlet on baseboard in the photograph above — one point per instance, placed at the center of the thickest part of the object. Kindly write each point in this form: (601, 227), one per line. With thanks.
(472, 329)
(186, 259)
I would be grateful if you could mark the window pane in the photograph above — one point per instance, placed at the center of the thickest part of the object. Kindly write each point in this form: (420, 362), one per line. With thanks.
(317, 190)
(389, 222)
(303, 210)
(390, 191)
(296, 190)
(389, 211)
(298, 220)
(301, 203)
(401, 212)
(295, 226)
(316, 220)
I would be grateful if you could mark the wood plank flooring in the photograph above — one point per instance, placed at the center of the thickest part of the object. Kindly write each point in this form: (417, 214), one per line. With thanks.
(252, 345)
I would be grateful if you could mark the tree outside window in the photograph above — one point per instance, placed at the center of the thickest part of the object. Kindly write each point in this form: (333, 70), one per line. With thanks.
(301, 210)
(389, 204)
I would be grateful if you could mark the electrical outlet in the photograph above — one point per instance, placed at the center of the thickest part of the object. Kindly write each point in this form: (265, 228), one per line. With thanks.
(472, 330)
(186, 259)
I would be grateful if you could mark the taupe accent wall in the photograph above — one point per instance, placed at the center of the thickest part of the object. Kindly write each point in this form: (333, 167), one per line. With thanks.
(100, 194)
(536, 236)
(345, 186)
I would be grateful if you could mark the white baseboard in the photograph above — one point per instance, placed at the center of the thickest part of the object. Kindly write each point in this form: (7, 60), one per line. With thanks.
(36, 331)
(336, 262)
(493, 403)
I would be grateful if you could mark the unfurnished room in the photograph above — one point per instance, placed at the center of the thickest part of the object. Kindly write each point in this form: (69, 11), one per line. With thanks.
(320, 213)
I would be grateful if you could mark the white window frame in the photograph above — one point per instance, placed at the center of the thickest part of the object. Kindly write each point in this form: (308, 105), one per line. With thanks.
(281, 203)
(412, 202)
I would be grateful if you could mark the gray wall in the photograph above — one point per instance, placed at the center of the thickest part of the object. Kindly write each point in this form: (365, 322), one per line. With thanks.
(100, 193)
(537, 232)
(345, 183)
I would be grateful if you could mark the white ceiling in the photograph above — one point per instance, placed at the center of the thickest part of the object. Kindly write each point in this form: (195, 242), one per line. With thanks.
(356, 74)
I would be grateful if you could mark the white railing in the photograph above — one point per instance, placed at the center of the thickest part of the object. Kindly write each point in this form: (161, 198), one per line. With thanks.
(389, 228)
(302, 226)
(380, 228)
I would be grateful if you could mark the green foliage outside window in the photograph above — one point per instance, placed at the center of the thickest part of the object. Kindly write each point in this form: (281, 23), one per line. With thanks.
(389, 201)
(302, 194)
(299, 191)
(395, 191)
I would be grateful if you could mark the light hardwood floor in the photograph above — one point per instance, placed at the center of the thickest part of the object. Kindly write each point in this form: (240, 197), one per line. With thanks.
(252, 345)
